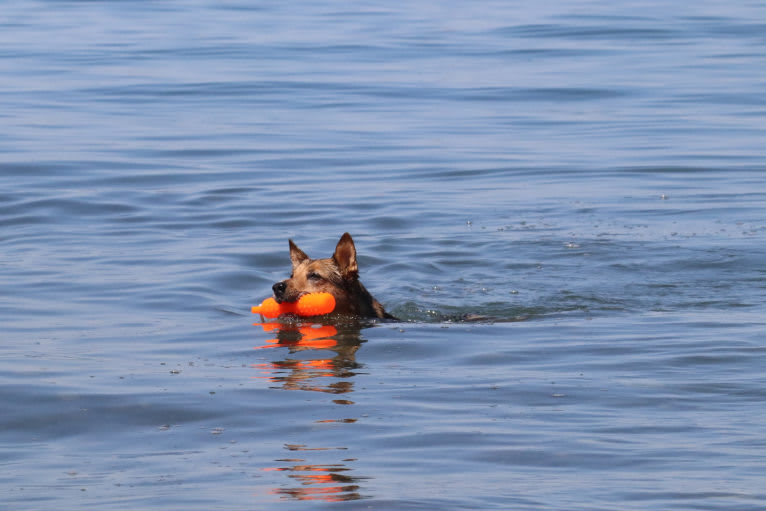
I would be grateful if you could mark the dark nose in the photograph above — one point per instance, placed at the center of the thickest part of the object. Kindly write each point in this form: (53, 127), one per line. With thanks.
(279, 289)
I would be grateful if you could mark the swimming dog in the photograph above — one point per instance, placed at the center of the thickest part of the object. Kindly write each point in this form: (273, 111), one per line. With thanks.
(337, 275)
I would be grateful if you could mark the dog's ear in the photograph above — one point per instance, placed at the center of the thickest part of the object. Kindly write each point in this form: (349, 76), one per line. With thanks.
(345, 257)
(297, 256)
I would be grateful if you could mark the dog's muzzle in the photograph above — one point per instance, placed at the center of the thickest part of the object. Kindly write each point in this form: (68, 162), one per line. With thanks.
(279, 291)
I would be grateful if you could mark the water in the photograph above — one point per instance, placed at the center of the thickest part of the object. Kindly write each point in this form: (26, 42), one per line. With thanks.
(588, 175)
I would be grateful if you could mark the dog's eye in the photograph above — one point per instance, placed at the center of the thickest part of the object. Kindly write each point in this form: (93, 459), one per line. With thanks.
(314, 276)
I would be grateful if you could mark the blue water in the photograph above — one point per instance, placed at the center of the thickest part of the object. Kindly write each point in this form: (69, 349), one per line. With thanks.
(589, 177)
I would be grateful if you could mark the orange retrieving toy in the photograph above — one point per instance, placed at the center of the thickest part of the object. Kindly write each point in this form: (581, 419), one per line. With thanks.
(311, 304)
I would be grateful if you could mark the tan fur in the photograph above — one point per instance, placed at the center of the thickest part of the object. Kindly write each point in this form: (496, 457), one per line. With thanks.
(337, 275)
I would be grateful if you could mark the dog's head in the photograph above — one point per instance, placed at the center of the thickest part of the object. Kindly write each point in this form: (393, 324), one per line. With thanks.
(335, 275)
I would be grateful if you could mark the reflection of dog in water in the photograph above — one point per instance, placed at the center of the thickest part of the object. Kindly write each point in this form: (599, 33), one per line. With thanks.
(306, 372)
(326, 363)
(337, 275)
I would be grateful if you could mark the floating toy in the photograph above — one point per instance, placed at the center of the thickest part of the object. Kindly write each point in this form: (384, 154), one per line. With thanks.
(311, 304)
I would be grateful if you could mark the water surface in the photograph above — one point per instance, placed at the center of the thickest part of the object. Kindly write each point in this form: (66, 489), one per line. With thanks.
(588, 176)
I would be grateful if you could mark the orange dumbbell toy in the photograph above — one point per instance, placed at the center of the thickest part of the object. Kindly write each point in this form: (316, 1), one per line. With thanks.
(311, 304)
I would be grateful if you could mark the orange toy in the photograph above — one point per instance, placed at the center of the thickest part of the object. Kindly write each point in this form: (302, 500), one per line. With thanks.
(311, 304)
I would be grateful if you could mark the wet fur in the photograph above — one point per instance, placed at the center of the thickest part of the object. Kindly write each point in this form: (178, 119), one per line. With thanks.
(337, 275)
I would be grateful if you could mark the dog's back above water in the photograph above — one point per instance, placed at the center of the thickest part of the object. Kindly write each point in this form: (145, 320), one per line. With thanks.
(337, 275)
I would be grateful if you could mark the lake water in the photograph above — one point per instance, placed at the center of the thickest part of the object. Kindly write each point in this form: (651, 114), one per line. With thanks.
(590, 175)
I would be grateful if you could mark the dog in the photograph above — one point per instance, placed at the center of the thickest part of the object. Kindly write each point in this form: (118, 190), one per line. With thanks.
(337, 275)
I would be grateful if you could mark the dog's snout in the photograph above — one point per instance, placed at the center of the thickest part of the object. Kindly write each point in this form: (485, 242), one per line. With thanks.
(279, 289)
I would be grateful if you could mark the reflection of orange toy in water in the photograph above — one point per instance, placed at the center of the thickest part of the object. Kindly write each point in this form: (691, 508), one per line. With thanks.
(328, 482)
(317, 358)
(311, 304)
(298, 374)
(309, 336)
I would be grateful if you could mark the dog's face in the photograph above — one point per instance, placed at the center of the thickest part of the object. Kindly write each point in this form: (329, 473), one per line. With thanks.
(335, 275)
